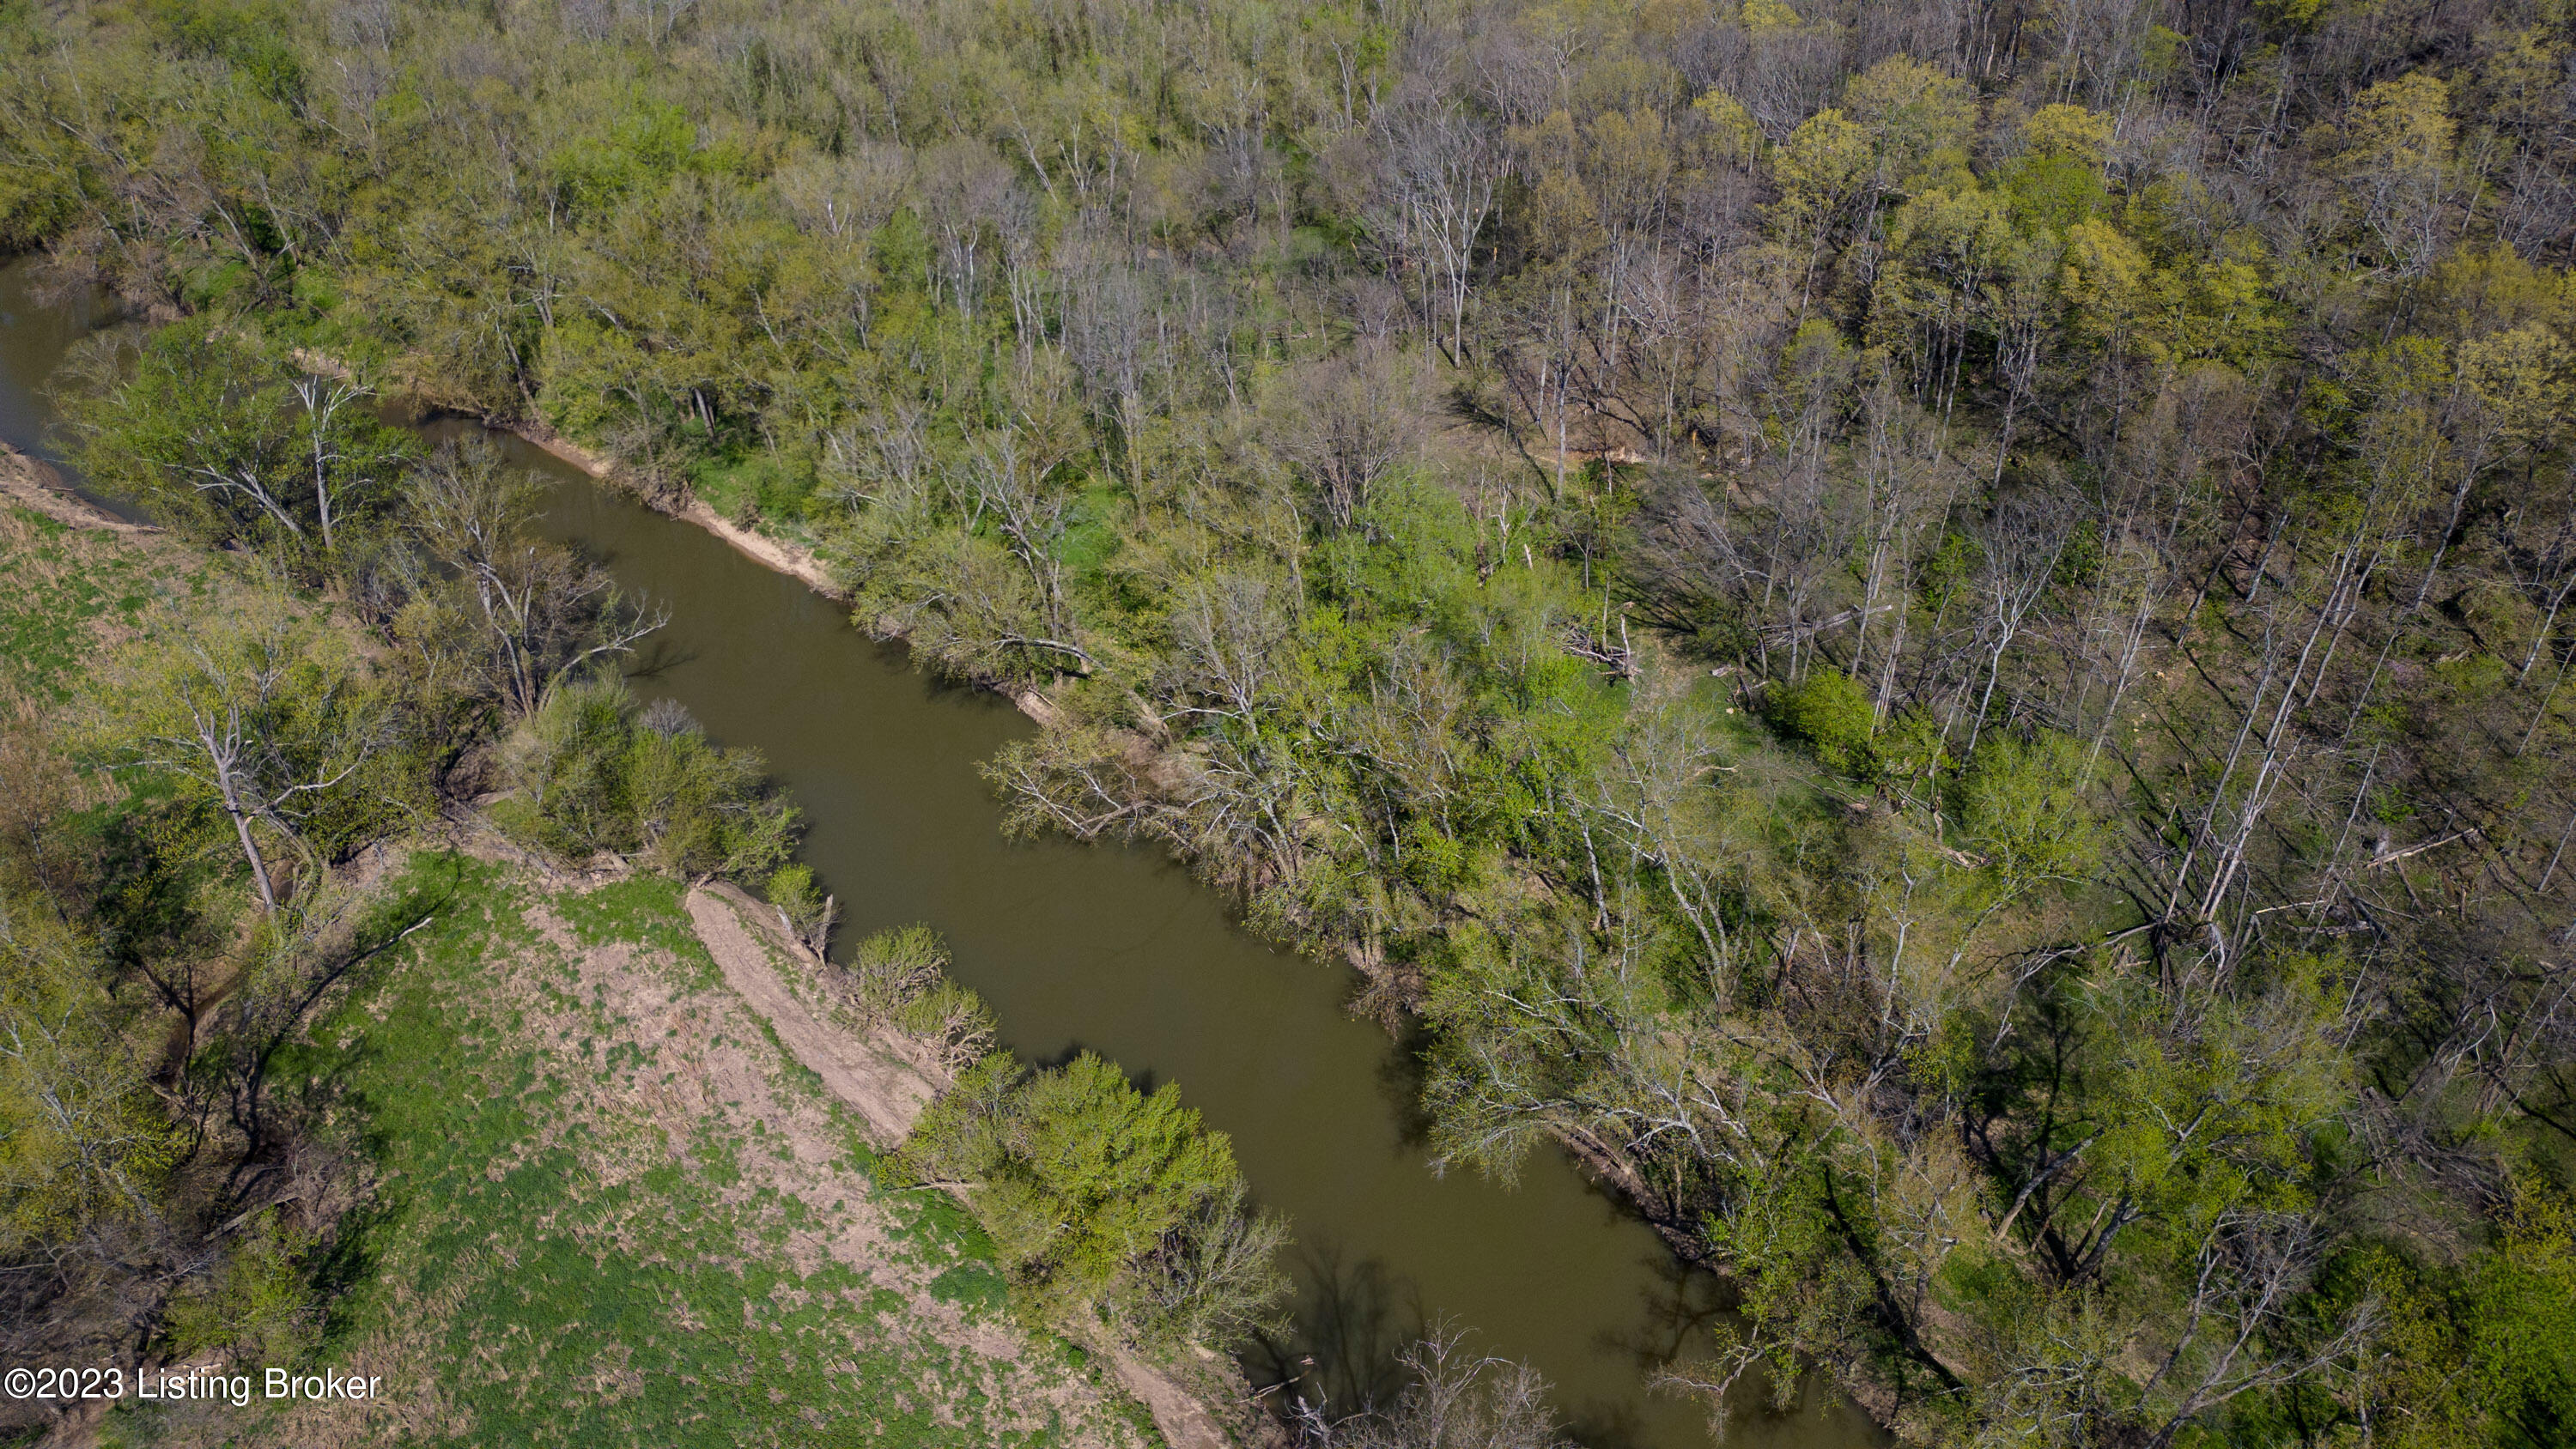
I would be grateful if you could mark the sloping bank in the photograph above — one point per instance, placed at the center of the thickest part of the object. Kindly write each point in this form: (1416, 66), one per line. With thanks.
(770, 552)
(888, 1078)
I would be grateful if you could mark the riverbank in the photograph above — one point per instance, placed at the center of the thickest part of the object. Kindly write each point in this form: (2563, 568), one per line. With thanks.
(593, 1109)
(803, 564)
(651, 1223)
(1095, 946)
(26, 481)
(797, 562)
(888, 1081)
(779, 556)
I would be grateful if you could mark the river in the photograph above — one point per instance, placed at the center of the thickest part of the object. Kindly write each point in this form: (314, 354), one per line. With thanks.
(1121, 952)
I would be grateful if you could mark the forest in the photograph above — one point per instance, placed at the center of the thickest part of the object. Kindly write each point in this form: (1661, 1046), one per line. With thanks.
(1926, 632)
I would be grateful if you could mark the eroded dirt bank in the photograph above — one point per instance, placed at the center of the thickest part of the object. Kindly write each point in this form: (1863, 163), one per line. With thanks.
(888, 1082)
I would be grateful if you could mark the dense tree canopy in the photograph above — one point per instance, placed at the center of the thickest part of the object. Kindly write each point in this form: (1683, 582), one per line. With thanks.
(1927, 631)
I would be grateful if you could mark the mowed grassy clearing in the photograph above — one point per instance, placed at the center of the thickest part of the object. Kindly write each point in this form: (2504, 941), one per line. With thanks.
(611, 1211)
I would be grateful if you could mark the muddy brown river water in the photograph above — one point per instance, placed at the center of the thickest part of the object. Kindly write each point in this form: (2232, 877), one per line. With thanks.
(1123, 953)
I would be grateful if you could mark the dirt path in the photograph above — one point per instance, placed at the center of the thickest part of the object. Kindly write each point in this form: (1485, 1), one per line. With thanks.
(890, 1092)
(887, 1090)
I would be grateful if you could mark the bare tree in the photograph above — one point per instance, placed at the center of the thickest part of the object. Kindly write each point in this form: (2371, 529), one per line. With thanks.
(2021, 544)
(1435, 192)
(2249, 1273)
(965, 188)
(1454, 1400)
(1345, 423)
(1228, 629)
(265, 714)
(544, 613)
(323, 400)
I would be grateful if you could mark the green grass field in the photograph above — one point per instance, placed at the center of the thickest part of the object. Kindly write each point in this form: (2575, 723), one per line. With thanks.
(61, 591)
(610, 1211)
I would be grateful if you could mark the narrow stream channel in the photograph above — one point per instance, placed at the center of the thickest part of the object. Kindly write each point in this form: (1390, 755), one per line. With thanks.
(1121, 952)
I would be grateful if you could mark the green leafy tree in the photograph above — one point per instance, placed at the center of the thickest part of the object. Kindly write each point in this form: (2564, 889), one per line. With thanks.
(1831, 712)
(1099, 1196)
(206, 429)
(84, 1145)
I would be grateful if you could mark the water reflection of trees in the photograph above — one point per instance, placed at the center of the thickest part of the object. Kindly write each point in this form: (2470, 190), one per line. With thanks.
(1678, 1308)
(1354, 1323)
(1350, 1324)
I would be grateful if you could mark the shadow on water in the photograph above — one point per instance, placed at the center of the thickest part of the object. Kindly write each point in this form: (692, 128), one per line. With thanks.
(1351, 1322)
(1401, 1079)
(655, 658)
(1683, 1304)
(1354, 1318)
(1680, 1305)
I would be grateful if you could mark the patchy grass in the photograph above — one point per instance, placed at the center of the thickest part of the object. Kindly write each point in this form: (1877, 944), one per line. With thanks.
(64, 591)
(612, 1213)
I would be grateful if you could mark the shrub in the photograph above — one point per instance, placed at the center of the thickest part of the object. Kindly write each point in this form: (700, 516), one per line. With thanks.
(589, 773)
(898, 980)
(1830, 712)
(258, 1298)
(2021, 806)
(803, 908)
